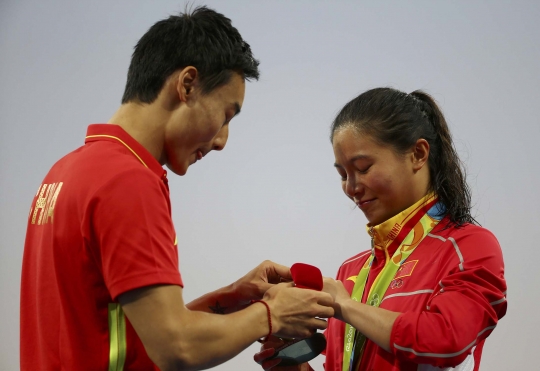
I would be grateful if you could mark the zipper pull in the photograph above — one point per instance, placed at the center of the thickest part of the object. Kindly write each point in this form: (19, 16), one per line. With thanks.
(371, 233)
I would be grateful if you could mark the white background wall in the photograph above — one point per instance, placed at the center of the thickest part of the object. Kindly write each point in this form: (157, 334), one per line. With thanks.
(273, 193)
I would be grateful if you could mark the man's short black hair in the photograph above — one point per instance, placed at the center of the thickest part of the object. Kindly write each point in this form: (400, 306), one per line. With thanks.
(202, 38)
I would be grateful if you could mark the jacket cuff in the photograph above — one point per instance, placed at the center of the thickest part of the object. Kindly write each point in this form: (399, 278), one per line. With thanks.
(396, 333)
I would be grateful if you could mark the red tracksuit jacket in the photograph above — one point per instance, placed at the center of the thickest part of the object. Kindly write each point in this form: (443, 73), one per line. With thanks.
(451, 293)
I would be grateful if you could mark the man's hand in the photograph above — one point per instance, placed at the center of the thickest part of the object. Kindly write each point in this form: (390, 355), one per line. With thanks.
(256, 282)
(296, 312)
(268, 350)
(238, 295)
(176, 337)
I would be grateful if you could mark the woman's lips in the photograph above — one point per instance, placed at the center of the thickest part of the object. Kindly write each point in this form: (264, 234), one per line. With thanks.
(364, 204)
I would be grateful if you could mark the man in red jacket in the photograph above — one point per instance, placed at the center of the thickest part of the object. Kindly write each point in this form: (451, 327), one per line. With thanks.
(101, 287)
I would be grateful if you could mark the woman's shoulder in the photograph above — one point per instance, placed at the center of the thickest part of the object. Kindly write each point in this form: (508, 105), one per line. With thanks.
(466, 230)
(469, 241)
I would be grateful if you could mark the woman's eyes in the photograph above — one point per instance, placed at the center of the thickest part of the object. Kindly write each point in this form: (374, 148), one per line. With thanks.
(364, 170)
(361, 171)
(343, 175)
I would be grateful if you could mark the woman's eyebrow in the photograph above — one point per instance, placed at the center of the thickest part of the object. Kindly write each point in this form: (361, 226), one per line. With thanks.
(359, 157)
(354, 158)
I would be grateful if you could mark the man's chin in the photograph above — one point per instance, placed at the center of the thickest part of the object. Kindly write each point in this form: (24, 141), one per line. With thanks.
(178, 170)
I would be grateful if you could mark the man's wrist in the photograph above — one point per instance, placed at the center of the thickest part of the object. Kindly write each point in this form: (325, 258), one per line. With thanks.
(269, 318)
(265, 323)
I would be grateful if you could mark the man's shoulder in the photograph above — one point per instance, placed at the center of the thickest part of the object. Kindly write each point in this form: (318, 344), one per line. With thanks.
(101, 166)
(101, 159)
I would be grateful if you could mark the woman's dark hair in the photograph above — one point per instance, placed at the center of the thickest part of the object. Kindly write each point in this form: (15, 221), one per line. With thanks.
(202, 38)
(398, 120)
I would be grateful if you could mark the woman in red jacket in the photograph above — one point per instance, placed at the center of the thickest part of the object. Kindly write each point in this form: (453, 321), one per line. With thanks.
(431, 288)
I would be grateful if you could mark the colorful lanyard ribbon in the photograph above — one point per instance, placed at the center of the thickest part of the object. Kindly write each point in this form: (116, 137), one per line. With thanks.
(411, 233)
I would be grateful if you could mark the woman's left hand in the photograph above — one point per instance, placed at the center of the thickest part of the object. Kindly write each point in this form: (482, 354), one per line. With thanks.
(338, 292)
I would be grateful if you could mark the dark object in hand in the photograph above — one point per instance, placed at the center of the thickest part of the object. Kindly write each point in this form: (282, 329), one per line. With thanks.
(300, 351)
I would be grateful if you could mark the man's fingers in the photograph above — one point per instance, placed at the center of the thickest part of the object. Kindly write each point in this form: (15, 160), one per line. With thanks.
(263, 287)
(325, 299)
(279, 271)
(319, 324)
(263, 354)
(272, 342)
(268, 365)
(325, 312)
(287, 284)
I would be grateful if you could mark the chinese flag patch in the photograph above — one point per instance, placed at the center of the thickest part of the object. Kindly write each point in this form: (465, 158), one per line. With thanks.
(406, 269)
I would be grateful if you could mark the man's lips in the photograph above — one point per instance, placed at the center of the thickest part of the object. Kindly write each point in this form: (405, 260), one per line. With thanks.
(200, 153)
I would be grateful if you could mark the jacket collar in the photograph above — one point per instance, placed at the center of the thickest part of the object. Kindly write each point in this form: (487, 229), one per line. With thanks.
(115, 133)
(384, 234)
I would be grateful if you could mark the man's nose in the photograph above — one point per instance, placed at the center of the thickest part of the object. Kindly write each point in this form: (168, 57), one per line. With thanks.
(220, 139)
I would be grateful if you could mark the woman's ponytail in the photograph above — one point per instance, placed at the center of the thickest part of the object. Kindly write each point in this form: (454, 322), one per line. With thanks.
(447, 172)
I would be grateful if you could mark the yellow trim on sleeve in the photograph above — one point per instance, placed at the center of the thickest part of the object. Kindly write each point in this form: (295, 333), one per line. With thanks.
(117, 337)
(121, 141)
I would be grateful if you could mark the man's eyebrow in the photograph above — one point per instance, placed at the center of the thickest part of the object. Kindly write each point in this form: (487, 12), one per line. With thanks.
(354, 158)
(236, 109)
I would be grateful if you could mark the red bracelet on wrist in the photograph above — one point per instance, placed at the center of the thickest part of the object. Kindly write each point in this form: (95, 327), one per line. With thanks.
(269, 319)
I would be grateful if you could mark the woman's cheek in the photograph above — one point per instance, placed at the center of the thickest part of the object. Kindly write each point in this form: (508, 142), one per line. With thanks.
(379, 184)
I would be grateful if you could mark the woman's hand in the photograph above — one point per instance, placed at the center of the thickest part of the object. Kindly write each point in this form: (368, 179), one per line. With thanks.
(338, 292)
(375, 323)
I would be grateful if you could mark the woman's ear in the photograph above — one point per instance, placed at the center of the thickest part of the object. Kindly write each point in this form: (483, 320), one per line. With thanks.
(420, 154)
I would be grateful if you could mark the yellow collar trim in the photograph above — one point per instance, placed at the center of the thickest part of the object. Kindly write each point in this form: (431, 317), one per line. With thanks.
(121, 141)
(384, 233)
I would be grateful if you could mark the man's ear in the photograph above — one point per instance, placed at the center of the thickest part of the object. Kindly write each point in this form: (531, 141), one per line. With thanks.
(186, 82)
(420, 154)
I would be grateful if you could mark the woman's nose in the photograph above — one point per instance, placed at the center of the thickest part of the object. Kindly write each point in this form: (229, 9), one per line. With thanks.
(352, 187)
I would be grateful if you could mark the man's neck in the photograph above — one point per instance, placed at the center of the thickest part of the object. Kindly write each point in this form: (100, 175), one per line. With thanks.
(144, 123)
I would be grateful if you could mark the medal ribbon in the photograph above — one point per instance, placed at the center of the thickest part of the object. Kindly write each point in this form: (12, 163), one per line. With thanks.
(410, 233)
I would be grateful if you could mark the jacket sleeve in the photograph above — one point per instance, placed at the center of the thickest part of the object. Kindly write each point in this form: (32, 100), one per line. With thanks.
(133, 235)
(465, 307)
